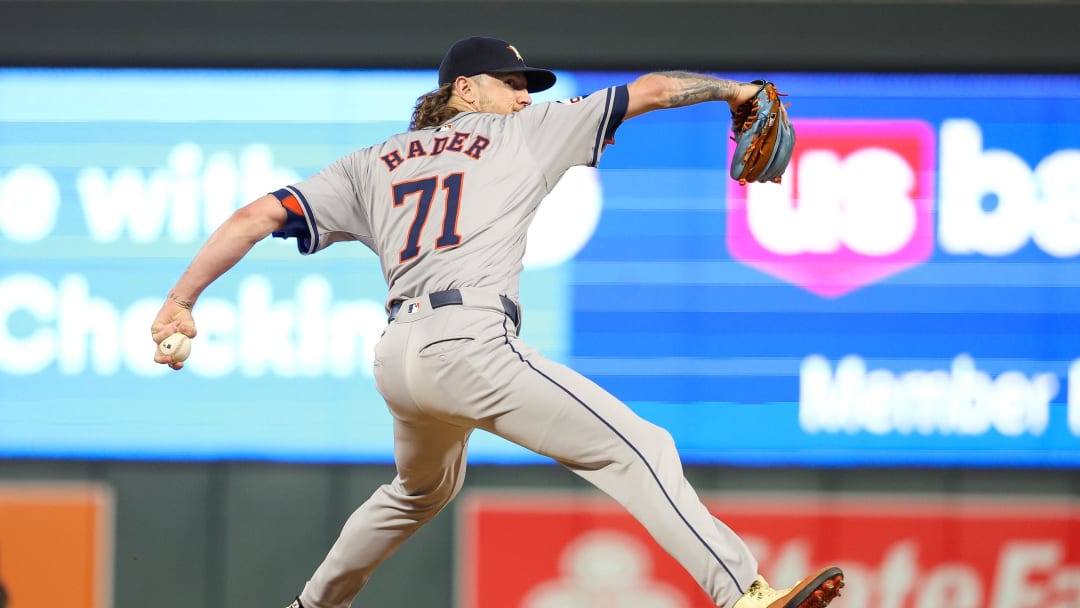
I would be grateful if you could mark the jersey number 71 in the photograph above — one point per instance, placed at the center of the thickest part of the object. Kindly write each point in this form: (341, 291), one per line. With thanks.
(425, 188)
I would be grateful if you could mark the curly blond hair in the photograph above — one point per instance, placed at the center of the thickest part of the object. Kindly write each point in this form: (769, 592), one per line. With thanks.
(433, 109)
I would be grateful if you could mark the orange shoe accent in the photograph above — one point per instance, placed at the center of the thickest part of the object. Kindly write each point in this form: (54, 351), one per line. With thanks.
(814, 592)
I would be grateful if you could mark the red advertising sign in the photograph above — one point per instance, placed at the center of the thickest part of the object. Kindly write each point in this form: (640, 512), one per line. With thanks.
(523, 551)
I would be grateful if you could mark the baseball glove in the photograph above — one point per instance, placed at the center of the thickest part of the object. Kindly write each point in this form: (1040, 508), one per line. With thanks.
(763, 136)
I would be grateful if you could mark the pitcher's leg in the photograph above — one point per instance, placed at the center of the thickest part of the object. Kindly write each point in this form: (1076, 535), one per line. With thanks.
(430, 457)
(555, 411)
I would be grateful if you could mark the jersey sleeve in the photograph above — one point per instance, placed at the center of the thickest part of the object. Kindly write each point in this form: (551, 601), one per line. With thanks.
(327, 207)
(573, 132)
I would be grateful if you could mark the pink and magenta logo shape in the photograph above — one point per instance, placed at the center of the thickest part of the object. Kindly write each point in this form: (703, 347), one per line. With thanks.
(856, 205)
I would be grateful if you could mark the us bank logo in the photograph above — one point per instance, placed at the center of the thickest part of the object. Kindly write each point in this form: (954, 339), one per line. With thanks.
(855, 206)
(857, 203)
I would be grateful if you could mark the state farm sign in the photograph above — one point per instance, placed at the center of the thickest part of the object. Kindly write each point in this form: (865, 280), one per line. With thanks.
(572, 550)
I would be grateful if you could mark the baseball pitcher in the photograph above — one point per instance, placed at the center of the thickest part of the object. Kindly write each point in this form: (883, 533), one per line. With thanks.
(446, 206)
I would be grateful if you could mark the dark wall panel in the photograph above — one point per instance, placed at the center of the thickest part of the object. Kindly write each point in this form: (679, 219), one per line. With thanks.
(972, 35)
(166, 530)
(249, 534)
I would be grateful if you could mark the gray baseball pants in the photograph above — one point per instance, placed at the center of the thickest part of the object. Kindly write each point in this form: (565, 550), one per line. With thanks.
(446, 371)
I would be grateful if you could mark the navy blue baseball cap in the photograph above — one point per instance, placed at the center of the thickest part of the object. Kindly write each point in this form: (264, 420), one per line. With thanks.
(485, 55)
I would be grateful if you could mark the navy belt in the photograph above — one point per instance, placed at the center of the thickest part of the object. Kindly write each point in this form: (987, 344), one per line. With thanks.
(452, 297)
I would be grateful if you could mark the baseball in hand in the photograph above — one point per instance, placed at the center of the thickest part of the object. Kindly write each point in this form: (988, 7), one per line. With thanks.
(178, 345)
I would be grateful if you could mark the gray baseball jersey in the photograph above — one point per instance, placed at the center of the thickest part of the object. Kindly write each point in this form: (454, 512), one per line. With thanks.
(448, 208)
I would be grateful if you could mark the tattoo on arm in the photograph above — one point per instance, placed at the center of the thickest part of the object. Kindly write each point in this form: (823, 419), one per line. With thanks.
(188, 304)
(689, 89)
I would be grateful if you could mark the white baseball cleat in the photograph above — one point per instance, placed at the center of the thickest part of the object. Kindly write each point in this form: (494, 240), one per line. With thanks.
(812, 592)
(296, 604)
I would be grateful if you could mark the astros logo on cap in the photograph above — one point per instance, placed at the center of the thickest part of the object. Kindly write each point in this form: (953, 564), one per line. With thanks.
(515, 52)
